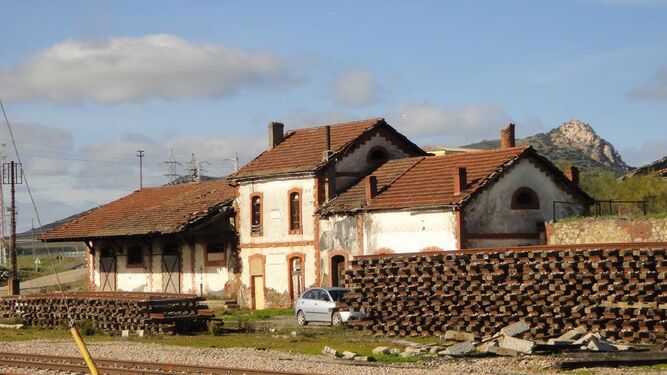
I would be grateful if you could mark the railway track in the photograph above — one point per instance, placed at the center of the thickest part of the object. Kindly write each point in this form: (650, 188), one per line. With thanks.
(117, 367)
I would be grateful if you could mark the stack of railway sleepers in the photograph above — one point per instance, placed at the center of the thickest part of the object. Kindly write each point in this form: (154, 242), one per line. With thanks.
(158, 313)
(619, 292)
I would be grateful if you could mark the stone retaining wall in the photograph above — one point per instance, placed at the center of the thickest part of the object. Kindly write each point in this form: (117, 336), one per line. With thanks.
(606, 230)
(620, 292)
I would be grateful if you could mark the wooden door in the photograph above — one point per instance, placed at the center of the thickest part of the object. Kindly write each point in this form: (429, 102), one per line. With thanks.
(171, 273)
(258, 291)
(108, 274)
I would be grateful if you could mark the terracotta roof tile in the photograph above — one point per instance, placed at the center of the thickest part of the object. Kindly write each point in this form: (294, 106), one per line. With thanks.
(426, 181)
(158, 210)
(301, 150)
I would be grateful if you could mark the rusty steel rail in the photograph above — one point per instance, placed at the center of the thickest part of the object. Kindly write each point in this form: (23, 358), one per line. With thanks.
(119, 367)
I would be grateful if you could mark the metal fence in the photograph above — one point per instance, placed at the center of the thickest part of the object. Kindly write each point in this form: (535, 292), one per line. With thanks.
(610, 207)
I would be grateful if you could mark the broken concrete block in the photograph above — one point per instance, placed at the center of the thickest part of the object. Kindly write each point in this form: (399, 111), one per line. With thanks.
(519, 345)
(140, 332)
(497, 350)
(381, 350)
(348, 355)
(600, 345)
(573, 334)
(11, 326)
(484, 345)
(458, 336)
(394, 351)
(461, 349)
(330, 352)
(408, 354)
(515, 328)
(125, 333)
(415, 349)
(583, 340)
(435, 349)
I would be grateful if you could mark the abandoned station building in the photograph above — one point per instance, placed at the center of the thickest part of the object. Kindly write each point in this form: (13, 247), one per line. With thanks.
(295, 215)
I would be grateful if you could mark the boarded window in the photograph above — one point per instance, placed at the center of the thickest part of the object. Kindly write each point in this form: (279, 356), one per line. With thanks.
(295, 212)
(135, 256)
(216, 254)
(256, 215)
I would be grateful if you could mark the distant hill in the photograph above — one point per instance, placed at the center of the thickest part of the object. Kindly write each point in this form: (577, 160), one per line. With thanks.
(574, 142)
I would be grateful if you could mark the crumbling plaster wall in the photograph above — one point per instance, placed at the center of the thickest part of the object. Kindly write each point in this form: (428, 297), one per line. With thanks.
(406, 231)
(490, 212)
(148, 278)
(339, 235)
(357, 160)
(606, 230)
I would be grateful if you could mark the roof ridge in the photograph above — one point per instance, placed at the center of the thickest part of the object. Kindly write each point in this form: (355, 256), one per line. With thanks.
(321, 126)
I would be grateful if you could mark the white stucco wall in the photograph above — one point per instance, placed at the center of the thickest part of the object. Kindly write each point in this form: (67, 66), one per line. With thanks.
(357, 160)
(491, 212)
(406, 232)
(210, 279)
(275, 209)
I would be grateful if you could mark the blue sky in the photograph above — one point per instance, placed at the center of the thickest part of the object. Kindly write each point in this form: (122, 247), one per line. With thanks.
(86, 83)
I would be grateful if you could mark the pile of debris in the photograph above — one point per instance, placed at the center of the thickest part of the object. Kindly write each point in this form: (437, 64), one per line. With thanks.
(157, 313)
(507, 342)
(619, 292)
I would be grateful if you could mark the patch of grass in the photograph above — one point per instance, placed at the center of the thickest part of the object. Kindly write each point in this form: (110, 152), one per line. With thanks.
(250, 315)
(32, 333)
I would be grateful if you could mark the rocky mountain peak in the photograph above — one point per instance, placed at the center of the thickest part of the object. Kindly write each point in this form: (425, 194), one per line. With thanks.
(580, 136)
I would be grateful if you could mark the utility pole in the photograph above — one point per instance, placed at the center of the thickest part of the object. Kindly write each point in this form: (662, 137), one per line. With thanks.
(12, 175)
(3, 224)
(234, 160)
(140, 155)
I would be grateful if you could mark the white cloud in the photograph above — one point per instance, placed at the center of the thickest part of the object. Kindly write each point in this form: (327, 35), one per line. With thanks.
(451, 126)
(131, 69)
(654, 90)
(301, 118)
(649, 152)
(355, 88)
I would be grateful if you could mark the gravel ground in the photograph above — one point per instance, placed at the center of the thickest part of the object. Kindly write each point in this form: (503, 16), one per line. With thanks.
(272, 360)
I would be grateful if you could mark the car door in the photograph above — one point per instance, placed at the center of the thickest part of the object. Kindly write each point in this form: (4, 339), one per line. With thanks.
(324, 306)
(307, 304)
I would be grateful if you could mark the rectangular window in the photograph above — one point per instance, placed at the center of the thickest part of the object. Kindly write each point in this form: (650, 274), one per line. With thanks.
(135, 256)
(216, 254)
(295, 212)
(256, 215)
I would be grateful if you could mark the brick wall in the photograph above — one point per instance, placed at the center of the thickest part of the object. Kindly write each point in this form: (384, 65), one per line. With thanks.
(606, 230)
(621, 292)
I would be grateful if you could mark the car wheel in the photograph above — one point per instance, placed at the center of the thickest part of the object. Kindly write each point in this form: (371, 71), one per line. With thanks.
(301, 318)
(336, 319)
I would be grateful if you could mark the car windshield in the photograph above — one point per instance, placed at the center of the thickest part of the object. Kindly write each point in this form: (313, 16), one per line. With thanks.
(337, 294)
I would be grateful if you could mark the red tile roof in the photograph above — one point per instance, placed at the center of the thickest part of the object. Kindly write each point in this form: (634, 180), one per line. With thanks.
(429, 181)
(150, 211)
(301, 150)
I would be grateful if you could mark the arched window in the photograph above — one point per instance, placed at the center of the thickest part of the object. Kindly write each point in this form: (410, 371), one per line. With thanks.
(256, 215)
(378, 155)
(524, 198)
(295, 211)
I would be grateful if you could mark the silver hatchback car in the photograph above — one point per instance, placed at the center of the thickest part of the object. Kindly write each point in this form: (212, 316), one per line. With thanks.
(321, 305)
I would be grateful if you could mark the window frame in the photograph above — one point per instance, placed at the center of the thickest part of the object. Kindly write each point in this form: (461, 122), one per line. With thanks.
(130, 249)
(534, 205)
(218, 262)
(260, 231)
(290, 229)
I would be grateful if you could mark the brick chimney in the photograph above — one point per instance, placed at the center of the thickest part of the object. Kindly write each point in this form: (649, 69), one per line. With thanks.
(327, 137)
(507, 139)
(460, 180)
(371, 183)
(572, 174)
(275, 134)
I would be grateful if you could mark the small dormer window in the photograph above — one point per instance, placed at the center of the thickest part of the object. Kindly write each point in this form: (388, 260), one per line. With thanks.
(378, 155)
(525, 198)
